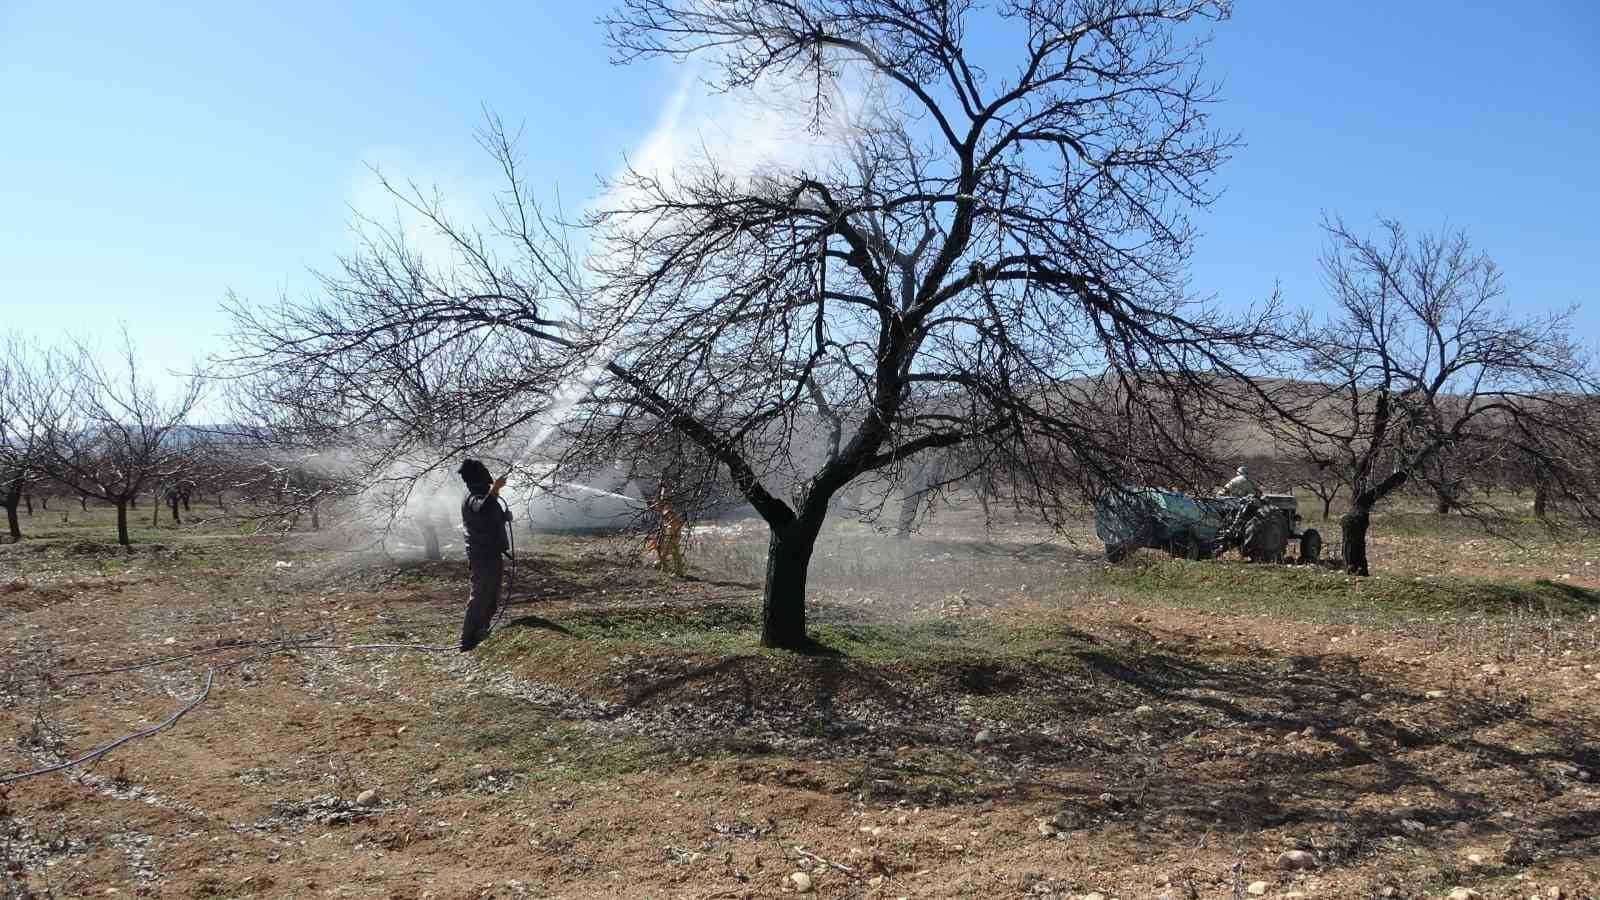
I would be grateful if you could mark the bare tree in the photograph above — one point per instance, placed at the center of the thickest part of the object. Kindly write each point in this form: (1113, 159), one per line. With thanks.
(1561, 463)
(117, 434)
(26, 402)
(1326, 483)
(1421, 360)
(374, 404)
(967, 274)
(994, 260)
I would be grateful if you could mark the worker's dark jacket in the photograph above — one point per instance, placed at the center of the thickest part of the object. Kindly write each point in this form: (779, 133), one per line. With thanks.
(483, 523)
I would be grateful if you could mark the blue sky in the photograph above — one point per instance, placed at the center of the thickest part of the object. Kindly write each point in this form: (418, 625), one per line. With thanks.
(154, 156)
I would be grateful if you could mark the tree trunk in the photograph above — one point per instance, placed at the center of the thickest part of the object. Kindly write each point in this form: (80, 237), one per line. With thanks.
(908, 515)
(172, 502)
(783, 602)
(316, 520)
(133, 502)
(430, 541)
(122, 523)
(1444, 501)
(1541, 499)
(1353, 530)
(28, 499)
(12, 497)
(44, 502)
(83, 501)
(1327, 507)
(155, 513)
(184, 496)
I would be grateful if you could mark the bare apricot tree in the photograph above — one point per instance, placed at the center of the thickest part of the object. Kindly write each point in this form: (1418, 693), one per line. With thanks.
(1421, 360)
(999, 252)
(117, 434)
(1561, 463)
(993, 260)
(26, 405)
(376, 394)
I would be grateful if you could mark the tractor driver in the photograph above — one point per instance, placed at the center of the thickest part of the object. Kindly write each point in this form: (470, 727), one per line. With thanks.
(1240, 485)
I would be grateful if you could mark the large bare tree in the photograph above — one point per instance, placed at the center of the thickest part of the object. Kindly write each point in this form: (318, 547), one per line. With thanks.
(1422, 362)
(993, 260)
(998, 257)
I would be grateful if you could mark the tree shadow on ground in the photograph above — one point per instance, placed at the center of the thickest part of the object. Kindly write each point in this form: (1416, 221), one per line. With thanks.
(1130, 733)
(537, 622)
(1577, 594)
(721, 583)
(1370, 741)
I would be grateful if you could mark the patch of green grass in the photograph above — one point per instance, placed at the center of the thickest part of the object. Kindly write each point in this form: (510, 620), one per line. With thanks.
(712, 628)
(87, 557)
(1307, 589)
(934, 640)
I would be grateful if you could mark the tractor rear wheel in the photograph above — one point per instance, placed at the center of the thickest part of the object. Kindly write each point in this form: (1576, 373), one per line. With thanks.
(1266, 538)
(1310, 547)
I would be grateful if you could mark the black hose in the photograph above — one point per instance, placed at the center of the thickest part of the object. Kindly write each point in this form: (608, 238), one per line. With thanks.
(509, 576)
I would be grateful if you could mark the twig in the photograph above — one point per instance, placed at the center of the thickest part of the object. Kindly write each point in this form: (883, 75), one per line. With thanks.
(290, 648)
(211, 673)
(827, 862)
(284, 645)
(96, 754)
(426, 648)
(134, 667)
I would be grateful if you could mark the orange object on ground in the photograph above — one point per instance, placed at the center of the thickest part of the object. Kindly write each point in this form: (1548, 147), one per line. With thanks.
(667, 542)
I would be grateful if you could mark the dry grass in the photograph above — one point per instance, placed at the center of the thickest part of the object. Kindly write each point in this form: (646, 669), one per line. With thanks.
(1179, 723)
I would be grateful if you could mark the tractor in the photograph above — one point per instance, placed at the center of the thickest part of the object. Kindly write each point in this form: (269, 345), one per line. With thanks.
(1128, 518)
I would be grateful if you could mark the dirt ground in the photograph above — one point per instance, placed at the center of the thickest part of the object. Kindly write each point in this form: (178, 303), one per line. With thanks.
(988, 714)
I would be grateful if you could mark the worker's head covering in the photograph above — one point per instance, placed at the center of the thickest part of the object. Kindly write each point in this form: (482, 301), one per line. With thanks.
(475, 474)
(1243, 471)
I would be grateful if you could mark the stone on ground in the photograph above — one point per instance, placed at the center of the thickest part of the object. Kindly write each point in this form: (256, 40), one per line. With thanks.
(1296, 859)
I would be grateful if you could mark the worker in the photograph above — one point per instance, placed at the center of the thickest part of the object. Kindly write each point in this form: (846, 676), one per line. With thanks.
(1240, 485)
(483, 524)
(668, 539)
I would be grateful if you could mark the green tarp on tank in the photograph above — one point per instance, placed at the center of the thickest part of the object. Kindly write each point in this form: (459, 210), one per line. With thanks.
(1150, 517)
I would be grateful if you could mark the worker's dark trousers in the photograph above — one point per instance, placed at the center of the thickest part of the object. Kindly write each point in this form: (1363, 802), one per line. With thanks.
(485, 598)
